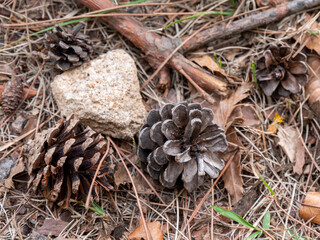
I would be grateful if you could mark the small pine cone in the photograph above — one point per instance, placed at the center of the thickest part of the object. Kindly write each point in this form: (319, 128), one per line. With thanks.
(62, 162)
(279, 74)
(11, 95)
(181, 142)
(67, 50)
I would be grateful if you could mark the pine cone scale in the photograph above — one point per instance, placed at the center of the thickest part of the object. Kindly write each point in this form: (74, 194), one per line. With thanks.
(184, 157)
(180, 116)
(290, 83)
(171, 174)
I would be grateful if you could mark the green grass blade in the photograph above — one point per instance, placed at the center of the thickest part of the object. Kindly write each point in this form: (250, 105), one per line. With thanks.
(266, 221)
(254, 235)
(253, 66)
(266, 184)
(235, 217)
(234, 4)
(198, 15)
(218, 60)
(98, 209)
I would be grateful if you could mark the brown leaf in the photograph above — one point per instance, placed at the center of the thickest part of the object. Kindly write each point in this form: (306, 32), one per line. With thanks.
(313, 86)
(232, 177)
(52, 227)
(300, 159)
(5, 71)
(246, 203)
(18, 168)
(30, 125)
(245, 115)
(311, 40)
(292, 146)
(226, 106)
(208, 62)
(121, 175)
(311, 209)
(142, 185)
(154, 228)
(213, 66)
(289, 139)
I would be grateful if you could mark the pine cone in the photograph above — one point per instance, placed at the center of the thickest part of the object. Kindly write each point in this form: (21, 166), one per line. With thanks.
(11, 95)
(67, 50)
(63, 161)
(279, 74)
(181, 142)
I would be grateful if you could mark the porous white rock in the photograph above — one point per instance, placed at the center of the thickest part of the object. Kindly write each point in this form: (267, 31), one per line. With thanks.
(103, 94)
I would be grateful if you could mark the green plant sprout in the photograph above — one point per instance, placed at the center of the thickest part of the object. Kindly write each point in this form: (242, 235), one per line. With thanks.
(234, 4)
(67, 23)
(237, 218)
(218, 60)
(266, 184)
(253, 66)
(198, 15)
(96, 208)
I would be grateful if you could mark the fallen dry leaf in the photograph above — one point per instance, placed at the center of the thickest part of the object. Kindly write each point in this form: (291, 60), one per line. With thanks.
(121, 175)
(141, 184)
(30, 125)
(52, 227)
(232, 177)
(292, 146)
(289, 139)
(311, 38)
(313, 85)
(246, 203)
(311, 209)
(231, 53)
(5, 72)
(208, 62)
(213, 66)
(226, 106)
(245, 115)
(154, 228)
(18, 168)
(300, 159)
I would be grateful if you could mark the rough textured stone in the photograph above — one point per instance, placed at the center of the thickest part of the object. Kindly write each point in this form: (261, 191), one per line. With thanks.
(103, 94)
(5, 166)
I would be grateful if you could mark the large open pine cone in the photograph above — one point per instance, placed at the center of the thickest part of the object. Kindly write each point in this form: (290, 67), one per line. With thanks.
(279, 74)
(67, 50)
(181, 142)
(62, 161)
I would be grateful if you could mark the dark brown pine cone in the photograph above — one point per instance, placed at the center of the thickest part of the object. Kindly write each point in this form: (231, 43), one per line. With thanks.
(279, 74)
(181, 142)
(67, 50)
(63, 160)
(11, 95)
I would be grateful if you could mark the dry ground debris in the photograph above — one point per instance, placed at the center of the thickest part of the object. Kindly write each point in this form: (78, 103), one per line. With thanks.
(254, 64)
